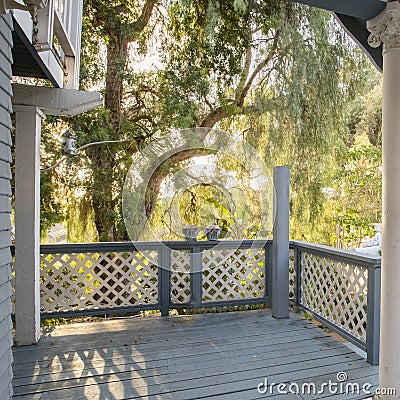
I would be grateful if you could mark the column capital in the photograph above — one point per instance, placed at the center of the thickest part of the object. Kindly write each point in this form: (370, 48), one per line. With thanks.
(29, 109)
(385, 27)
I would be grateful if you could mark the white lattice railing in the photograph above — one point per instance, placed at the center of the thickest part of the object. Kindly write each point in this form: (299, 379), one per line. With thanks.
(340, 288)
(79, 281)
(336, 290)
(117, 277)
(233, 274)
(180, 276)
(227, 275)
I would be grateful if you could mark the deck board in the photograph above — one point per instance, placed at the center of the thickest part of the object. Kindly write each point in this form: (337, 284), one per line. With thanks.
(207, 356)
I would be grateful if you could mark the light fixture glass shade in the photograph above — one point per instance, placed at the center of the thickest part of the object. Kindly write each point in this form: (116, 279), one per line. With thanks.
(68, 143)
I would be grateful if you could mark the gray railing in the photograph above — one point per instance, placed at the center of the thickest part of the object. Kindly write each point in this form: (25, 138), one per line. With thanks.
(341, 289)
(98, 278)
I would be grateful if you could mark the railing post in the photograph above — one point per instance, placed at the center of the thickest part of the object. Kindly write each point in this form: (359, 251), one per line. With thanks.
(268, 272)
(373, 314)
(196, 276)
(280, 265)
(165, 279)
(297, 269)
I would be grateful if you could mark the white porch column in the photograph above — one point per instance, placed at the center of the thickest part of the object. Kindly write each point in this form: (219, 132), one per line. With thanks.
(31, 103)
(385, 28)
(27, 224)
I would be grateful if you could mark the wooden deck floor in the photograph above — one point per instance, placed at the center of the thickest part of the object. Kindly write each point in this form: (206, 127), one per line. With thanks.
(208, 356)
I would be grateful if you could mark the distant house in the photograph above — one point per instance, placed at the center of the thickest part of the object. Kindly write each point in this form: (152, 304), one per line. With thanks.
(38, 39)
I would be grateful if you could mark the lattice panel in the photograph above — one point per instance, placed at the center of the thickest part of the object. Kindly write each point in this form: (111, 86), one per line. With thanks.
(233, 274)
(77, 281)
(336, 291)
(292, 277)
(180, 276)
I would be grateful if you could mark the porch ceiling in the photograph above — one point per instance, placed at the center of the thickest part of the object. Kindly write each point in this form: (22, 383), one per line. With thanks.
(353, 15)
(361, 9)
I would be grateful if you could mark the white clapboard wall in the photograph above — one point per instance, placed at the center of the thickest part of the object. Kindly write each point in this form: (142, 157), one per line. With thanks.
(5, 207)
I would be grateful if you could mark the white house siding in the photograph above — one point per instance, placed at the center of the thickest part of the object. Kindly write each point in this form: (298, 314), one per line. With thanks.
(5, 207)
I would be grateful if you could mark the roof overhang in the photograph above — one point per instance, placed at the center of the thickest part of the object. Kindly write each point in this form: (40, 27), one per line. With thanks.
(54, 101)
(357, 30)
(353, 16)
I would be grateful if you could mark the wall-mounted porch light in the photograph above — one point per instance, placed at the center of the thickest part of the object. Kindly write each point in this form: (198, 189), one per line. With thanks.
(68, 146)
(68, 143)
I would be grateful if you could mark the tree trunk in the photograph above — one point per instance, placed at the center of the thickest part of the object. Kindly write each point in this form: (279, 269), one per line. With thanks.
(102, 193)
(102, 159)
(153, 189)
(113, 19)
(117, 55)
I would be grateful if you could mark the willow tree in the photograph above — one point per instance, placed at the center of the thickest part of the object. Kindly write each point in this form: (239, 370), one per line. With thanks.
(308, 125)
(218, 52)
(283, 73)
(278, 68)
(110, 29)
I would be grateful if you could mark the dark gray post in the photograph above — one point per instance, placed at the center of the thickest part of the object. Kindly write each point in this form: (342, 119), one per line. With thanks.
(280, 265)
(164, 279)
(297, 283)
(196, 276)
(373, 314)
(268, 270)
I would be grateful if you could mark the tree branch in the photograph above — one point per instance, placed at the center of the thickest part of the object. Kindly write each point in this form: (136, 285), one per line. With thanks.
(144, 17)
(214, 116)
(246, 70)
(258, 68)
(243, 88)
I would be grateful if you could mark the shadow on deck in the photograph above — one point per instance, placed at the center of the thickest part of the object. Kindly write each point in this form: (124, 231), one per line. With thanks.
(218, 356)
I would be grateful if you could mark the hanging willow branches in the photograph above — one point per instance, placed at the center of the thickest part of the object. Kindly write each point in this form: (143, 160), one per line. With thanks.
(281, 73)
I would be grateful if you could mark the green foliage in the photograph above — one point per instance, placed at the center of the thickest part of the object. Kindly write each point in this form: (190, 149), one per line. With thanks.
(365, 114)
(80, 219)
(51, 210)
(205, 66)
(284, 75)
(207, 205)
(53, 322)
(108, 29)
(356, 201)
(307, 123)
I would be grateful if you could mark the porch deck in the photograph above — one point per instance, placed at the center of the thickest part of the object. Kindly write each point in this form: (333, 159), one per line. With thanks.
(218, 356)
